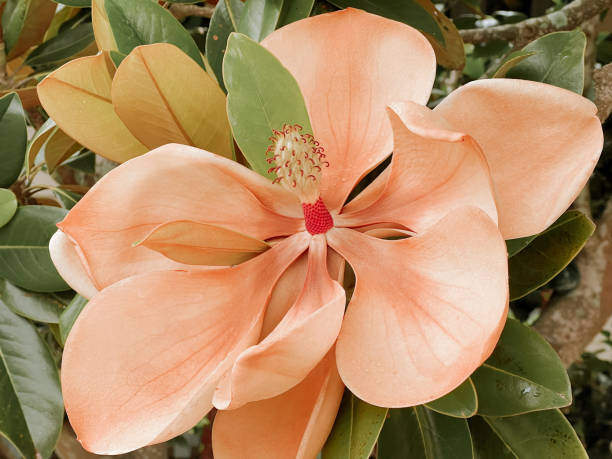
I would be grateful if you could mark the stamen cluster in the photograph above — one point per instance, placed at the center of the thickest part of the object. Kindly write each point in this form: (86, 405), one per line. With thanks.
(297, 161)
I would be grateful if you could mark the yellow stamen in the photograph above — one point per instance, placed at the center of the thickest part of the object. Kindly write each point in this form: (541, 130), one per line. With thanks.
(297, 161)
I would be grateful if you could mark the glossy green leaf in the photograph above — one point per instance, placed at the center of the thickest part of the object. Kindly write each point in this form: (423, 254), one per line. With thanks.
(62, 47)
(543, 434)
(558, 60)
(487, 444)
(224, 21)
(422, 15)
(294, 10)
(259, 18)
(13, 20)
(8, 206)
(84, 162)
(24, 249)
(355, 431)
(14, 139)
(70, 315)
(523, 374)
(117, 57)
(548, 253)
(24, 24)
(78, 3)
(262, 96)
(31, 305)
(143, 22)
(420, 433)
(32, 410)
(460, 403)
(67, 198)
(514, 246)
(510, 61)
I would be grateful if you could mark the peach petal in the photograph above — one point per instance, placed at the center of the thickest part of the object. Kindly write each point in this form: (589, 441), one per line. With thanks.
(433, 171)
(173, 182)
(346, 88)
(426, 311)
(142, 361)
(68, 264)
(292, 425)
(541, 142)
(288, 288)
(299, 342)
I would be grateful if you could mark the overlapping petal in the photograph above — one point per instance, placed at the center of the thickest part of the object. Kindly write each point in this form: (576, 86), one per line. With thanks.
(165, 338)
(292, 425)
(426, 311)
(348, 87)
(433, 171)
(287, 289)
(541, 142)
(173, 182)
(68, 264)
(297, 344)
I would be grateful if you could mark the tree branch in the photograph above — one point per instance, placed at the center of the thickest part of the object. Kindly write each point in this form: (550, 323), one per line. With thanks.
(571, 322)
(602, 79)
(182, 11)
(520, 33)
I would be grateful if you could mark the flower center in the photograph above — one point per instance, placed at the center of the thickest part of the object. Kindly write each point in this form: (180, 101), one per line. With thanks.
(297, 160)
(317, 217)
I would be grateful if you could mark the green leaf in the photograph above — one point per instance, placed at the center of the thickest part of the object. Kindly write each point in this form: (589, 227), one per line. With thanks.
(13, 19)
(84, 162)
(547, 255)
(32, 411)
(487, 444)
(62, 47)
(70, 315)
(78, 3)
(355, 431)
(143, 22)
(14, 139)
(24, 249)
(67, 198)
(259, 18)
(294, 10)
(460, 403)
(543, 434)
(8, 206)
(510, 61)
(558, 60)
(514, 246)
(117, 57)
(422, 15)
(224, 21)
(419, 432)
(262, 96)
(523, 374)
(33, 306)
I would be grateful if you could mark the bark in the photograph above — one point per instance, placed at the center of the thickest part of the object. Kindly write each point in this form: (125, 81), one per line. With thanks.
(571, 322)
(521, 33)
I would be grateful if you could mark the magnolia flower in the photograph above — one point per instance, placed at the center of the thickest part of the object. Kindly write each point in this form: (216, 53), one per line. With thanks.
(267, 340)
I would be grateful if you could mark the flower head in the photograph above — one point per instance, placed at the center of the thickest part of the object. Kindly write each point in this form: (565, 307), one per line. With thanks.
(268, 341)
